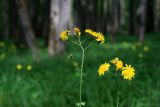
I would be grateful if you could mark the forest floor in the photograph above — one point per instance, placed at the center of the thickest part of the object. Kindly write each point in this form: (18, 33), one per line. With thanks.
(55, 82)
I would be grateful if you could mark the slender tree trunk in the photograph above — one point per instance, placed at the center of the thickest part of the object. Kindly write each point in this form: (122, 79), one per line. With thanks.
(114, 21)
(142, 23)
(157, 16)
(122, 12)
(60, 15)
(4, 19)
(27, 28)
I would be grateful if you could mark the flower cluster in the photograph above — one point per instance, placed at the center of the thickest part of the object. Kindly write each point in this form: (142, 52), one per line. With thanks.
(99, 37)
(127, 71)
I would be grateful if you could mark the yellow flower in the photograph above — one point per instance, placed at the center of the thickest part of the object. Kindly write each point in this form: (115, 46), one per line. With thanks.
(29, 67)
(100, 38)
(103, 68)
(128, 72)
(146, 48)
(118, 63)
(64, 35)
(19, 67)
(76, 31)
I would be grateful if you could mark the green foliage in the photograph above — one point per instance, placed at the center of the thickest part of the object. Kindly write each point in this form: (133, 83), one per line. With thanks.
(55, 82)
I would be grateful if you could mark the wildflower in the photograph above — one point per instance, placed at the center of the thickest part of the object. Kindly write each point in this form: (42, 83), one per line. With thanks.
(100, 38)
(29, 67)
(91, 32)
(64, 35)
(76, 31)
(19, 66)
(103, 68)
(146, 48)
(118, 63)
(128, 72)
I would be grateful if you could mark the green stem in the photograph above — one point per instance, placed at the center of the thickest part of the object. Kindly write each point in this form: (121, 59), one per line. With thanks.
(81, 77)
(117, 84)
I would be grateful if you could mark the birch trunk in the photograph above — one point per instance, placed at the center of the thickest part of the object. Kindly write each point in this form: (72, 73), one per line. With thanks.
(60, 14)
(142, 23)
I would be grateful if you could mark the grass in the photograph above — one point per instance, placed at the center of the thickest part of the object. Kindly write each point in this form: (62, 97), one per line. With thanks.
(55, 82)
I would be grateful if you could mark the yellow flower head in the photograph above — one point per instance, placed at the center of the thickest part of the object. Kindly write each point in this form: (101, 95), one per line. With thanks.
(64, 35)
(128, 72)
(146, 48)
(76, 31)
(29, 67)
(19, 67)
(100, 38)
(118, 63)
(103, 68)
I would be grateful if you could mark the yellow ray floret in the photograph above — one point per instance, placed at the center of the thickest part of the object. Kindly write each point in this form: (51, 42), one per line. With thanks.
(64, 35)
(128, 72)
(76, 31)
(103, 68)
(100, 38)
(118, 63)
(88, 31)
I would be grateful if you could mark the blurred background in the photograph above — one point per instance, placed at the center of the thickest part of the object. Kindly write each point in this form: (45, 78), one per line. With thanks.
(39, 70)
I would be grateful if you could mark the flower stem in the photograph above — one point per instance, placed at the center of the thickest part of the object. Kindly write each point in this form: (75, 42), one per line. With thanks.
(81, 77)
(117, 85)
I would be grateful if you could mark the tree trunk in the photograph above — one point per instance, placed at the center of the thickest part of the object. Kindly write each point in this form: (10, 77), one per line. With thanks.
(4, 25)
(60, 15)
(122, 12)
(114, 21)
(157, 16)
(142, 23)
(27, 28)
